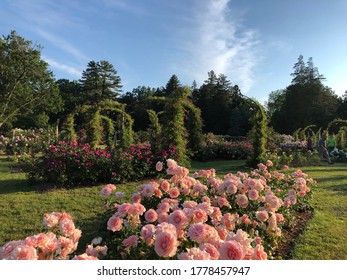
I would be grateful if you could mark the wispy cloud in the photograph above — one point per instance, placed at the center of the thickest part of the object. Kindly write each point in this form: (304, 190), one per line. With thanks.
(73, 71)
(62, 44)
(218, 42)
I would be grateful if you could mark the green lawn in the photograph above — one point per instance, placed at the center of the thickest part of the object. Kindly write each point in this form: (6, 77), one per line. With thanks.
(326, 235)
(22, 207)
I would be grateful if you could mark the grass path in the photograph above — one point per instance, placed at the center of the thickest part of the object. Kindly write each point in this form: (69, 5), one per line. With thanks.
(325, 238)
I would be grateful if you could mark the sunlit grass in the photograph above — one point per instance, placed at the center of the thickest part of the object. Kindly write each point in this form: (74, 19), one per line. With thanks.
(326, 235)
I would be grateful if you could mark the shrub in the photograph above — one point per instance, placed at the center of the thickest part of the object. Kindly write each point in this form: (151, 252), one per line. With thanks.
(73, 164)
(199, 216)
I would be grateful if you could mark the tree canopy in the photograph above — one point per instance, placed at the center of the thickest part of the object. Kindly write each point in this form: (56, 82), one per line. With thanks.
(27, 87)
(304, 102)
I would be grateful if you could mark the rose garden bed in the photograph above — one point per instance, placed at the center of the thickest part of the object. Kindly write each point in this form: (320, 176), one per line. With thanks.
(240, 216)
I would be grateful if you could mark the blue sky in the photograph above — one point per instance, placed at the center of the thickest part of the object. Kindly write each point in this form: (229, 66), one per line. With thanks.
(254, 43)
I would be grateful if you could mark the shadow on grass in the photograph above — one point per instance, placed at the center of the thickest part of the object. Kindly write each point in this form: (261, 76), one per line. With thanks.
(8, 186)
(341, 189)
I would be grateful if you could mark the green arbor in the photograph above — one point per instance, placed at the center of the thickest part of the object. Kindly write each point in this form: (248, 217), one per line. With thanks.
(27, 87)
(103, 115)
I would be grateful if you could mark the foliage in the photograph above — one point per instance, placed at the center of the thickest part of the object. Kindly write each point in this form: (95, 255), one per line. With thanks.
(258, 134)
(306, 101)
(72, 164)
(174, 132)
(27, 88)
(100, 82)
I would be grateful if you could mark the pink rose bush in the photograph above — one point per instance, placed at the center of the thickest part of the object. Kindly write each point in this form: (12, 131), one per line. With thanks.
(204, 217)
(240, 216)
(58, 244)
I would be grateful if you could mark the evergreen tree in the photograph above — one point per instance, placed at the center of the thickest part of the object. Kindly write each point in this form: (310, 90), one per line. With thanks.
(100, 82)
(305, 101)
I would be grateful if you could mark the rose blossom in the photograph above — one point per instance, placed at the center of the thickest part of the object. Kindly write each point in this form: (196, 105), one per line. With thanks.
(159, 166)
(231, 250)
(259, 253)
(66, 227)
(114, 223)
(174, 192)
(262, 215)
(24, 252)
(253, 194)
(5, 251)
(98, 251)
(211, 250)
(51, 220)
(242, 200)
(179, 219)
(165, 243)
(84, 257)
(106, 191)
(123, 209)
(130, 241)
(165, 185)
(147, 233)
(199, 232)
(151, 215)
(199, 216)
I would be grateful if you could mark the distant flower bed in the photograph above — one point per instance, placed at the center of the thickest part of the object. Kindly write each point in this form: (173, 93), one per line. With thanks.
(224, 150)
(338, 155)
(77, 164)
(187, 217)
(26, 141)
(293, 145)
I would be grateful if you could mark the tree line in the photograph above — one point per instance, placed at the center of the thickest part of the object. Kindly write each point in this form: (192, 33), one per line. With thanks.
(31, 97)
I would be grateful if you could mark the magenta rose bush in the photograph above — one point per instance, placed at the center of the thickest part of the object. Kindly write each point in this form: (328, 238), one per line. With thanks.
(72, 164)
(240, 216)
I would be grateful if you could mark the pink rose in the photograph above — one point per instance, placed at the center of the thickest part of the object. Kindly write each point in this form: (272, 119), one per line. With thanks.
(107, 190)
(262, 215)
(199, 232)
(114, 223)
(151, 216)
(66, 227)
(199, 216)
(179, 219)
(84, 257)
(147, 233)
(165, 185)
(24, 252)
(211, 250)
(241, 200)
(165, 244)
(259, 253)
(130, 241)
(159, 166)
(231, 250)
(123, 209)
(174, 192)
(253, 194)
